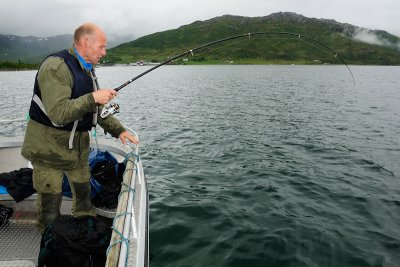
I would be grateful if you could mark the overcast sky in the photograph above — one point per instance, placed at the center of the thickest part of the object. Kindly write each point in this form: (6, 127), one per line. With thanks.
(44, 18)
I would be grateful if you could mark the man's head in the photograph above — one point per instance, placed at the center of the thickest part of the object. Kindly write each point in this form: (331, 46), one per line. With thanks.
(91, 42)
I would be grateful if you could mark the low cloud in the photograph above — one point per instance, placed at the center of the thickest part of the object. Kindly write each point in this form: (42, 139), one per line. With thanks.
(368, 36)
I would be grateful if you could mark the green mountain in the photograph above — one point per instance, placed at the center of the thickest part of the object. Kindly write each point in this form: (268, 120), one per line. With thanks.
(356, 45)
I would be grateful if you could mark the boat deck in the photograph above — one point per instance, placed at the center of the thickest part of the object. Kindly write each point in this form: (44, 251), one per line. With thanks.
(20, 239)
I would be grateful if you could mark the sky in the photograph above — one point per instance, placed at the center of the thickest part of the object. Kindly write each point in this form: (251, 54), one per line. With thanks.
(44, 18)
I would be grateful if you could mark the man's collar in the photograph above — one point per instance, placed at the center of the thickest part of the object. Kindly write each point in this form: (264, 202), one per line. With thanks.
(86, 66)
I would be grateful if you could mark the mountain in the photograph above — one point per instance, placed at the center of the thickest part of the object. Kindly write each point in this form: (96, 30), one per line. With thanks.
(355, 44)
(30, 49)
(34, 49)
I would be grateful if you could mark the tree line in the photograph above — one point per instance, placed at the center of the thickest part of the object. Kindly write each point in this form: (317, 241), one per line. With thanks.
(7, 65)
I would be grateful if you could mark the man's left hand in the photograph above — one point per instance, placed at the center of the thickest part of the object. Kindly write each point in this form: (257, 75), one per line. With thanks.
(127, 136)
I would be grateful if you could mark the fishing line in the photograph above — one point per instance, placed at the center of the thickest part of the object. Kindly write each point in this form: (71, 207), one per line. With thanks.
(246, 35)
(316, 46)
(259, 38)
(110, 108)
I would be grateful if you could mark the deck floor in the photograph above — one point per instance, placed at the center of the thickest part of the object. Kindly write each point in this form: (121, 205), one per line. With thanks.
(19, 241)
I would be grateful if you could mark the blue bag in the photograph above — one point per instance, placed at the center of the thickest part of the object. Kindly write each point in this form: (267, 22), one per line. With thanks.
(102, 165)
(3, 190)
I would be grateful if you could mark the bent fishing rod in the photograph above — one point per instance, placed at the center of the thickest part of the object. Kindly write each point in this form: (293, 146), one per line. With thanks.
(112, 108)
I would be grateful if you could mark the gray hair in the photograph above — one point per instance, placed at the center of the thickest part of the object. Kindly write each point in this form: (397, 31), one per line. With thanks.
(84, 30)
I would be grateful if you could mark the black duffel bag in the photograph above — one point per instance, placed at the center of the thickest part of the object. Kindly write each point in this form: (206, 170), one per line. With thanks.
(70, 241)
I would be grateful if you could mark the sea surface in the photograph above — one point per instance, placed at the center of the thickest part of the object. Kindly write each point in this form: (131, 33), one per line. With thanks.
(260, 165)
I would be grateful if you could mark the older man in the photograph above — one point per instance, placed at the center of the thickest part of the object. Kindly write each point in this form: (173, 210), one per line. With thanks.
(63, 109)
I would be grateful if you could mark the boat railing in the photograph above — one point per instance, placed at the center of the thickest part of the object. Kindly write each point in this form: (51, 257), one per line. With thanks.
(130, 234)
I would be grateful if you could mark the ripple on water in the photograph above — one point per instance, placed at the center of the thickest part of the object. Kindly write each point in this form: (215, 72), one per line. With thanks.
(261, 165)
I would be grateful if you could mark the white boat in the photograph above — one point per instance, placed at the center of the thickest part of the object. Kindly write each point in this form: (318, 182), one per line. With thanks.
(20, 240)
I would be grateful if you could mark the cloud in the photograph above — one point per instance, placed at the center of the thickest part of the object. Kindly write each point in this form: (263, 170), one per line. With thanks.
(369, 36)
(44, 18)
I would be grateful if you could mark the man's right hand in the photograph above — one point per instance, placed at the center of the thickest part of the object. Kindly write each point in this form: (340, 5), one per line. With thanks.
(103, 96)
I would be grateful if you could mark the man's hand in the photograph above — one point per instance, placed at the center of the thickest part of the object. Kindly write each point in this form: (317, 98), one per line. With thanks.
(126, 135)
(103, 96)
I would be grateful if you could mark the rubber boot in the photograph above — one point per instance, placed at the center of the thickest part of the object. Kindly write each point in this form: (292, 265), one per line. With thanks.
(82, 205)
(48, 209)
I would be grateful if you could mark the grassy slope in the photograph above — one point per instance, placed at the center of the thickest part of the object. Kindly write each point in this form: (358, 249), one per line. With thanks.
(261, 49)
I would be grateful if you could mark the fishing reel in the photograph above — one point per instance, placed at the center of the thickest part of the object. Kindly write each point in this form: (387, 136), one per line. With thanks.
(109, 109)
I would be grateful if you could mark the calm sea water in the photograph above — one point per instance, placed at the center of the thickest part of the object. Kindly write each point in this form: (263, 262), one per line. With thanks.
(260, 165)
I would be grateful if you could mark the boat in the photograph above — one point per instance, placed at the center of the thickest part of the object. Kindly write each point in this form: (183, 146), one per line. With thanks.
(20, 240)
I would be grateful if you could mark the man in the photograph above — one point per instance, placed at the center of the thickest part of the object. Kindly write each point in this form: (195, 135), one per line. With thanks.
(63, 109)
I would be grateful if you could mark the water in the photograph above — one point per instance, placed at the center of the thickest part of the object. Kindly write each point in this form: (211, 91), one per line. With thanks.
(261, 165)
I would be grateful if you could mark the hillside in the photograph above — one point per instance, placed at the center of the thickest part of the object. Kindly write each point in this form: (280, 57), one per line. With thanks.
(356, 45)
(32, 49)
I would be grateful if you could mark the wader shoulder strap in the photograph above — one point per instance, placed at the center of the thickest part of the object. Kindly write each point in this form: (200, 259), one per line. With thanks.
(95, 88)
(39, 102)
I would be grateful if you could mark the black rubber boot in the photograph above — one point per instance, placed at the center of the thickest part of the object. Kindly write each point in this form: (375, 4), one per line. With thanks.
(82, 204)
(48, 206)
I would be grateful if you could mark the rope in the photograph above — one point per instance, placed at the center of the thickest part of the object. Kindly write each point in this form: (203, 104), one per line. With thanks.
(122, 240)
(128, 189)
(129, 156)
(94, 134)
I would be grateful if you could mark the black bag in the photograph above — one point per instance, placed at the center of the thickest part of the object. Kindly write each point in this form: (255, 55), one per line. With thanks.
(18, 183)
(110, 179)
(80, 242)
(105, 172)
(5, 214)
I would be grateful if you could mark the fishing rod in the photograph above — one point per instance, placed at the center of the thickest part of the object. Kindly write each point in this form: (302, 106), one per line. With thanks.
(112, 108)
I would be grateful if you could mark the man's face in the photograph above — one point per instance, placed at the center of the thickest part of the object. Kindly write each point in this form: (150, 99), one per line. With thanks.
(95, 47)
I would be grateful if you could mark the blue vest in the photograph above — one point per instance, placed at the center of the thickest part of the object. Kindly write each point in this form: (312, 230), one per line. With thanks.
(82, 84)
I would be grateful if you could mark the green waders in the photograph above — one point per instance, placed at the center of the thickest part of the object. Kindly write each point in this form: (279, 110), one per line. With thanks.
(48, 184)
